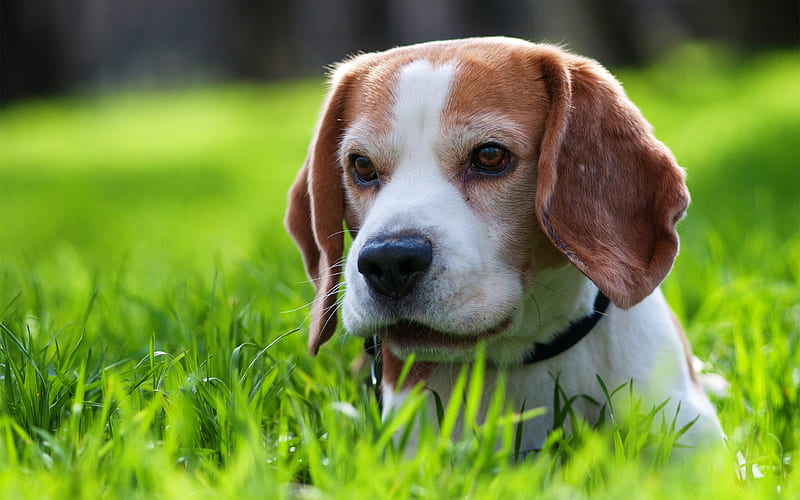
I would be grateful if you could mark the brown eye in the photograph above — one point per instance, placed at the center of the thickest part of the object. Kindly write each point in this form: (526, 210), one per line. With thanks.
(363, 168)
(490, 158)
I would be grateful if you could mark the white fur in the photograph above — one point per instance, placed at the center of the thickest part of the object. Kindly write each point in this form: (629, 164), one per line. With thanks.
(392, 400)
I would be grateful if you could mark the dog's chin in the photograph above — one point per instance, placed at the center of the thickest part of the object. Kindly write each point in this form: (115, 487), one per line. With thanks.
(431, 344)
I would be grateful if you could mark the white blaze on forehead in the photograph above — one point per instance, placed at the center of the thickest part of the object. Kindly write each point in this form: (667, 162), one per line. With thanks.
(420, 97)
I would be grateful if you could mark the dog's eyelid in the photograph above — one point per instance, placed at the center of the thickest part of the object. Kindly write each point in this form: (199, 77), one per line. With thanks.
(346, 155)
(492, 141)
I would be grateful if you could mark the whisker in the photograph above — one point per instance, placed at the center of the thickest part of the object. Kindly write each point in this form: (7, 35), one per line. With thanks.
(538, 312)
(328, 319)
(332, 293)
(335, 305)
(297, 308)
(316, 280)
(337, 233)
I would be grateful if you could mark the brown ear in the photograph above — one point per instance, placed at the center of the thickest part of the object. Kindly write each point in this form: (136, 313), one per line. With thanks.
(608, 192)
(315, 214)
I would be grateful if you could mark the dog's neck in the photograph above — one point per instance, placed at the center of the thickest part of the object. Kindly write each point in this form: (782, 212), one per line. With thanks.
(557, 298)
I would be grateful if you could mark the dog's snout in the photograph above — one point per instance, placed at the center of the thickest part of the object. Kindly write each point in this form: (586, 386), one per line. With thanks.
(392, 265)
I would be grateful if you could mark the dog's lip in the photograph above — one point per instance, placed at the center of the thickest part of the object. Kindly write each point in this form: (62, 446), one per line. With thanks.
(411, 335)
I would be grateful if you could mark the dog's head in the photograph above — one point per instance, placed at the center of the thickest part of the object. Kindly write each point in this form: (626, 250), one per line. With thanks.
(462, 169)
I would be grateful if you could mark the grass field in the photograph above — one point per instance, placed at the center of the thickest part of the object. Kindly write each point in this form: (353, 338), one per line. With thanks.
(150, 301)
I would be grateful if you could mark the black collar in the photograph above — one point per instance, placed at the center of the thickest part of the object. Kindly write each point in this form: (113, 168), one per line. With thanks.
(540, 352)
(571, 336)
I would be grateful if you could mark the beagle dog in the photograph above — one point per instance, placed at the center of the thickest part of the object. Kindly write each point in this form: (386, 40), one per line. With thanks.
(505, 193)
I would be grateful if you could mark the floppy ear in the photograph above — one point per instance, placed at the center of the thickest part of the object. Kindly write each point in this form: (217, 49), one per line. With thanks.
(608, 192)
(315, 214)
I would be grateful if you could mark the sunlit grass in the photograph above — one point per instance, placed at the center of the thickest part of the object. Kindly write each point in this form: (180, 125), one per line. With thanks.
(149, 302)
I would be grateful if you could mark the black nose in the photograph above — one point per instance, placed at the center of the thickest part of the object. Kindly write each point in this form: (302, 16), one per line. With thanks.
(392, 265)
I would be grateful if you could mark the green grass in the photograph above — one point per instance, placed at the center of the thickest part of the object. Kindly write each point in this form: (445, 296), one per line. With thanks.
(150, 300)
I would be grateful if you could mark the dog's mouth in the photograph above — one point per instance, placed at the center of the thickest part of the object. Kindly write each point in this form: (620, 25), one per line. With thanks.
(410, 336)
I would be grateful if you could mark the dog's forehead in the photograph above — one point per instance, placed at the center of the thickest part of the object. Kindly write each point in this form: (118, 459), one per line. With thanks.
(483, 75)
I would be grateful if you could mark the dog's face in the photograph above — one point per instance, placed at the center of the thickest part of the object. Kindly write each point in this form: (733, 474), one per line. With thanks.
(442, 252)
(465, 168)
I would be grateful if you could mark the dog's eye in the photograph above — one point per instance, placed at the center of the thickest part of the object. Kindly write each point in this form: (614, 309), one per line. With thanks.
(363, 168)
(490, 158)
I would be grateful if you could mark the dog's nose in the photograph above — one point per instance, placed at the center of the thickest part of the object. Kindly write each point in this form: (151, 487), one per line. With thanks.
(392, 265)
